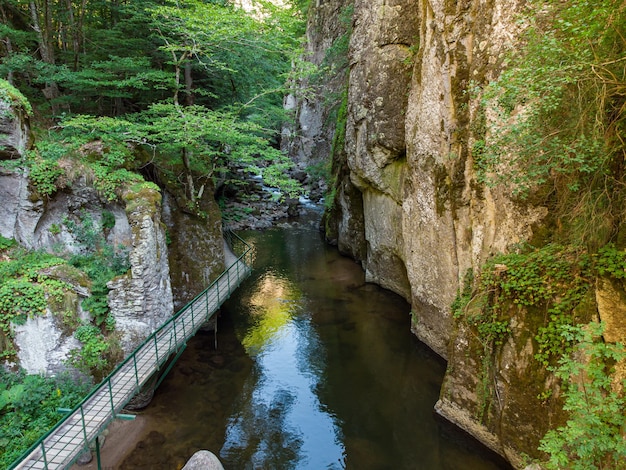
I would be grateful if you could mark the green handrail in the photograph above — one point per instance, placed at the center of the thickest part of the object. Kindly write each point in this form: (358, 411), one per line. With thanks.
(125, 378)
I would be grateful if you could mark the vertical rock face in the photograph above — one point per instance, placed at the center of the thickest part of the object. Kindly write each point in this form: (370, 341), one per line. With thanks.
(140, 300)
(196, 251)
(408, 201)
(427, 220)
(14, 130)
(309, 141)
(379, 83)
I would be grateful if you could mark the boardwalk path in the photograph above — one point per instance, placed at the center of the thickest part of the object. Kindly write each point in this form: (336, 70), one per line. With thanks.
(61, 446)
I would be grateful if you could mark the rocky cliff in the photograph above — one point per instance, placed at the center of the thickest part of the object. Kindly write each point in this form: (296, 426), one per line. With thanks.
(407, 200)
(172, 253)
(140, 300)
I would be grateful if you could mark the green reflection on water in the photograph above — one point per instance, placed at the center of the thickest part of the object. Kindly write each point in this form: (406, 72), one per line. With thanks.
(273, 304)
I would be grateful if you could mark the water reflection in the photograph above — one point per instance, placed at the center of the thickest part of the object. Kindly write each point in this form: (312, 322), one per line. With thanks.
(315, 369)
(279, 422)
(272, 305)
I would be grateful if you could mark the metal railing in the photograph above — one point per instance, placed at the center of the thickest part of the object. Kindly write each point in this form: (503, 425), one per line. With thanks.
(60, 447)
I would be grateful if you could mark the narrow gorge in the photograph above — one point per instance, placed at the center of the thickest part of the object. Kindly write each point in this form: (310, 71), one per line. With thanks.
(410, 199)
(469, 155)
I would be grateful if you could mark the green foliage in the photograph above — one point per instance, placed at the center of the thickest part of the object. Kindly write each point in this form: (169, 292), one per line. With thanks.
(91, 358)
(85, 231)
(611, 262)
(463, 296)
(14, 97)
(25, 288)
(485, 314)
(20, 298)
(555, 286)
(99, 261)
(6, 243)
(202, 90)
(560, 107)
(44, 175)
(337, 147)
(552, 282)
(28, 409)
(108, 220)
(593, 436)
(336, 56)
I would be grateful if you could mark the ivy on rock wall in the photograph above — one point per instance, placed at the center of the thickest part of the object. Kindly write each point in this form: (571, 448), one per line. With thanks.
(561, 119)
(553, 134)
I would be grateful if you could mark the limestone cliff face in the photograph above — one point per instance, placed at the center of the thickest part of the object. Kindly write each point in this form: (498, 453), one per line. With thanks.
(140, 301)
(196, 251)
(14, 129)
(408, 136)
(407, 195)
(309, 140)
(161, 277)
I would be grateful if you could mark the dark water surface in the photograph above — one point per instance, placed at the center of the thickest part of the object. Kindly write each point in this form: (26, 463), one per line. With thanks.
(314, 369)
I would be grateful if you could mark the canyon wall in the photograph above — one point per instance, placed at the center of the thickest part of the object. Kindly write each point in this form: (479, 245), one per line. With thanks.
(407, 201)
(140, 300)
(140, 222)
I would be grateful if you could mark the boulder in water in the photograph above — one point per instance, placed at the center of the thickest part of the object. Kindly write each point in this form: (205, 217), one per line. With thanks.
(203, 460)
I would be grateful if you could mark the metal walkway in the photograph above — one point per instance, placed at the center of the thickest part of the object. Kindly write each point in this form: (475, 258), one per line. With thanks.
(60, 447)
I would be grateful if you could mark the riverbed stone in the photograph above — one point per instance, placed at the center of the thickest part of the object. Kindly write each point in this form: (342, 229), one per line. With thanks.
(203, 460)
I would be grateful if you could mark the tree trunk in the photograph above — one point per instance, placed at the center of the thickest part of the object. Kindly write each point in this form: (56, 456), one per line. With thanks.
(46, 51)
(188, 84)
(190, 183)
(7, 43)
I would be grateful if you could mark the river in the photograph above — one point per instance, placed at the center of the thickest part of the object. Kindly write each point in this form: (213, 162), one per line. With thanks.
(314, 369)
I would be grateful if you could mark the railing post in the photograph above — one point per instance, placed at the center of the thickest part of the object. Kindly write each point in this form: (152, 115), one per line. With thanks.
(193, 320)
(156, 349)
(136, 372)
(43, 453)
(82, 417)
(111, 397)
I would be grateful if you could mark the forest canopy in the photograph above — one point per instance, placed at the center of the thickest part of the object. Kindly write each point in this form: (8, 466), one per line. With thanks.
(196, 84)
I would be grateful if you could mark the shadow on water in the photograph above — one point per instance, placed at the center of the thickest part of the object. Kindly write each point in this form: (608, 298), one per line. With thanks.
(315, 369)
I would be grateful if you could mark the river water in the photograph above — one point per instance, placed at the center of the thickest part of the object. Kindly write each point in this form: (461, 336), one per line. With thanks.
(314, 369)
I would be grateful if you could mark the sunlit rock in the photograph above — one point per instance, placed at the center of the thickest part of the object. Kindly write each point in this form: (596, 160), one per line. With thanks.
(203, 460)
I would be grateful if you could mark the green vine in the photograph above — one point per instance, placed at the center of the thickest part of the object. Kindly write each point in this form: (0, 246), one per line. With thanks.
(25, 288)
(593, 436)
(560, 117)
(97, 354)
(99, 261)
